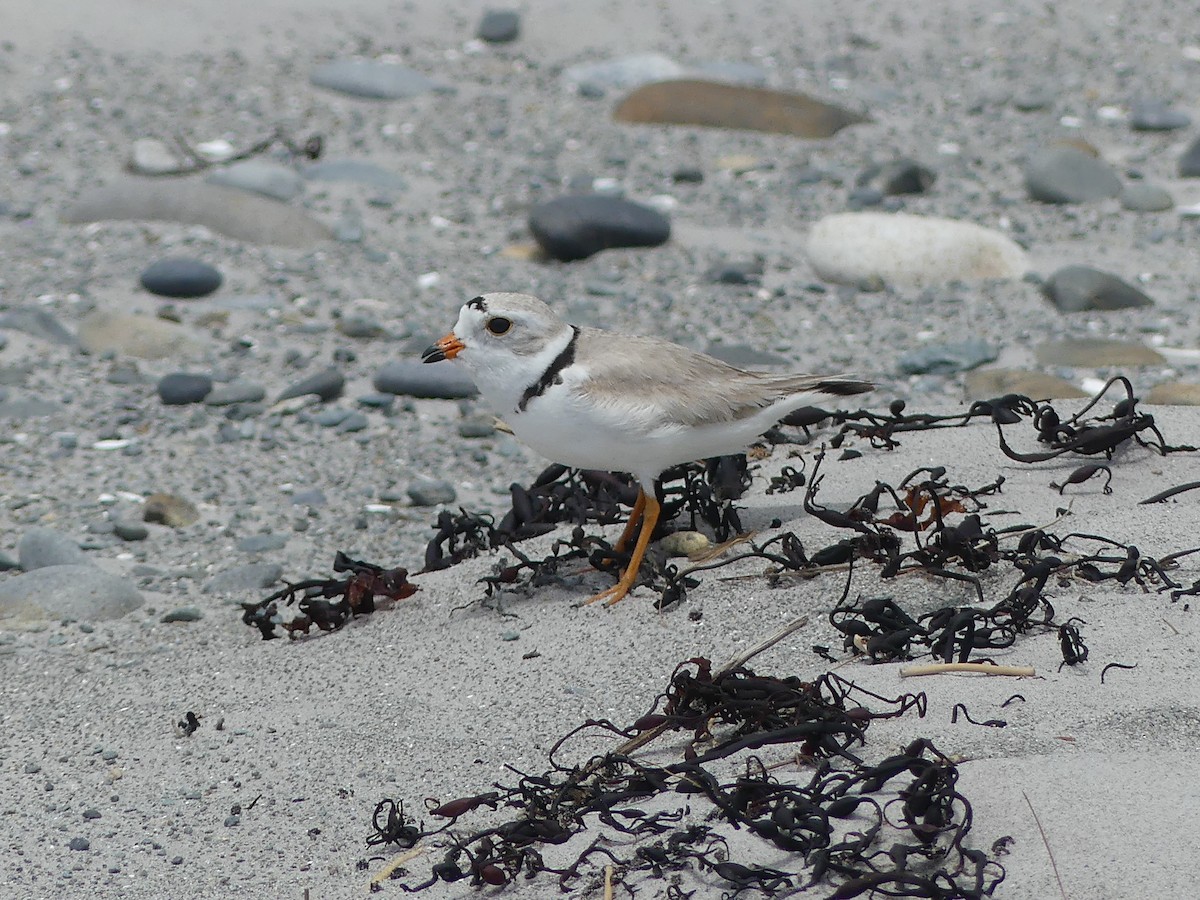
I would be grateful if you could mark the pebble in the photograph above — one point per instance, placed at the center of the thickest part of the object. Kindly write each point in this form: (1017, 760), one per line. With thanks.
(150, 156)
(1156, 115)
(1096, 353)
(239, 390)
(377, 401)
(596, 79)
(431, 492)
(1034, 99)
(356, 171)
(746, 271)
(182, 388)
(1174, 393)
(984, 384)
(327, 385)
(360, 327)
(241, 579)
(235, 214)
(477, 427)
(499, 26)
(1066, 174)
(684, 543)
(41, 547)
(714, 104)
(38, 323)
(262, 543)
(130, 531)
(578, 226)
(901, 176)
(328, 417)
(170, 509)
(309, 497)
(183, 614)
(862, 247)
(79, 843)
(947, 358)
(137, 335)
(432, 381)
(1079, 288)
(181, 276)
(373, 80)
(1142, 196)
(259, 176)
(1189, 163)
(354, 422)
(82, 593)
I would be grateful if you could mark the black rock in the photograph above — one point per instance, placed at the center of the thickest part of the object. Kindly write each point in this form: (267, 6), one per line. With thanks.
(327, 385)
(575, 227)
(179, 276)
(1079, 288)
(434, 381)
(499, 26)
(181, 388)
(687, 175)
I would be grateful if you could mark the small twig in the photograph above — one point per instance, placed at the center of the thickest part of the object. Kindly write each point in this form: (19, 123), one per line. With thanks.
(393, 864)
(1062, 890)
(985, 668)
(608, 886)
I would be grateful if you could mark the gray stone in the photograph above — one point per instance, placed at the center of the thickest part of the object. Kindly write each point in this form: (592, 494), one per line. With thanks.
(28, 408)
(130, 531)
(41, 547)
(1096, 353)
(901, 176)
(1064, 174)
(309, 497)
(413, 378)
(243, 579)
(262, 543)
(38, 323)
(431, 492)
(1079, 288)
(578, 226)
(260, 177)
(83, 593)
(377, 401)
(984, 384)
(239, 390)
(183, 614)
(182, 388)
(133, 334)
(479, 427)
(499, 26)
(356, 171)
(237, 214)
(373, 80)
(171, 510)
(745, 271)
(360, 327)
(1034, 99)
(150, 156)
(1189, 163)
(327, 385)
(1142, 196)
(79, 843)
(1156, 115)
(948, 358)
(181, 276)
(354, 422)
(329, 417)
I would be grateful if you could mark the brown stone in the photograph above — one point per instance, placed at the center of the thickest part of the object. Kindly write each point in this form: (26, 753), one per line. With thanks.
(984, 384)
(716, 105)
(1097, 353)
(1174, 393)
(168, 509)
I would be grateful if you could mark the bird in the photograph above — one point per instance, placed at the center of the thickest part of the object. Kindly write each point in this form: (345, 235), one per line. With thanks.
(594, 399)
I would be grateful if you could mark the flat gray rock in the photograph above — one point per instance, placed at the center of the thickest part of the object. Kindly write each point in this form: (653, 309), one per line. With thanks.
(258, 176)
(356, 171)
(327, 385)
(1142, 196)
(374, 80)
(1079, 288)
(83, 593)
(38, 323)
(42, 547)
(947, 358)
(243, 579)
(239, 390)
(433, 381)
(577, 226)
(1065, 174)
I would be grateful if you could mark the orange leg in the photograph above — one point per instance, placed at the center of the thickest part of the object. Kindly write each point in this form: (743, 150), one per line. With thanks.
(634, 518)
(617, 592)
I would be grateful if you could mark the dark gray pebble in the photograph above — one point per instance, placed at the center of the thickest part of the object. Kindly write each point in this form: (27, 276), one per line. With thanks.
(182, 388)
(91, 813)
(356, 421)
(181, 276)
(746, 271)
(1156, 115)
(79, 843)
(309, 497)
(948, 358)
(479, 427)
(237, 391)
(377, 401)
(687, 175)
(431, 492)
(1189, 163)
(130, 531)
(499, 26)
(413, 378)
(901, 176)
(576, 227)
(262, 543)
(242, 579)
(330, 417)
(373, 80)
(1068, 175)
(1079, 288)
(327, 385)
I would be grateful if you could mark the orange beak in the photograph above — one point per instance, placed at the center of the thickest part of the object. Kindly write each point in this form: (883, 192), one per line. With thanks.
(447, 348)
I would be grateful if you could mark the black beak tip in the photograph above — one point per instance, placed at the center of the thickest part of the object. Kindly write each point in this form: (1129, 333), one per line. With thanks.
(433, 354)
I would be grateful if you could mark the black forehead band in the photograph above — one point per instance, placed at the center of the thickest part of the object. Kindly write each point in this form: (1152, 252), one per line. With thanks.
(478, 303)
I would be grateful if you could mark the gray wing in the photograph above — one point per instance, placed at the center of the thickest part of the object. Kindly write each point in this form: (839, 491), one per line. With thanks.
(631, 375)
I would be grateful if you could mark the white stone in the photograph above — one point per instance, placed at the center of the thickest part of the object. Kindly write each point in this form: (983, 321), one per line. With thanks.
(861, 247)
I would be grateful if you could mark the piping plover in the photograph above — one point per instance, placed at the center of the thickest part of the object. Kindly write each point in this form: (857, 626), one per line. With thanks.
(594, 399)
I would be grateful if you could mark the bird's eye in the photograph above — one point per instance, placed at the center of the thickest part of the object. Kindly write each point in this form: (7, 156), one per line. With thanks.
(499, 325)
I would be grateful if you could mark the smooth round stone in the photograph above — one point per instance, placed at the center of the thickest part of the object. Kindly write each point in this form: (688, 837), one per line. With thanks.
(181, 276)
(133, 334)
(360, 327)
(1156, 115)
(41, 547)
(150, 156)
(1079, 288)
(901, 176)
(355, 171)
(330, 416)
(183, 614)
(499, 26)
(479, 427)
(82, 593)
(1141, 196)
(130, 531)
(377, 400)
(373, 80)
(1174, 393)
(1096, 353)
(79, 843)
(171, 510)
(354, 422)
(431, 492)
(1189, 163)
(182, 388)
(259, 176)
(432, 381)
(243, 579)
(327, 385)
(262, 543)
(984, 384)
(576, 227)
(864, 247)
(237, 391)
(948, 358)
(1063, 174)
